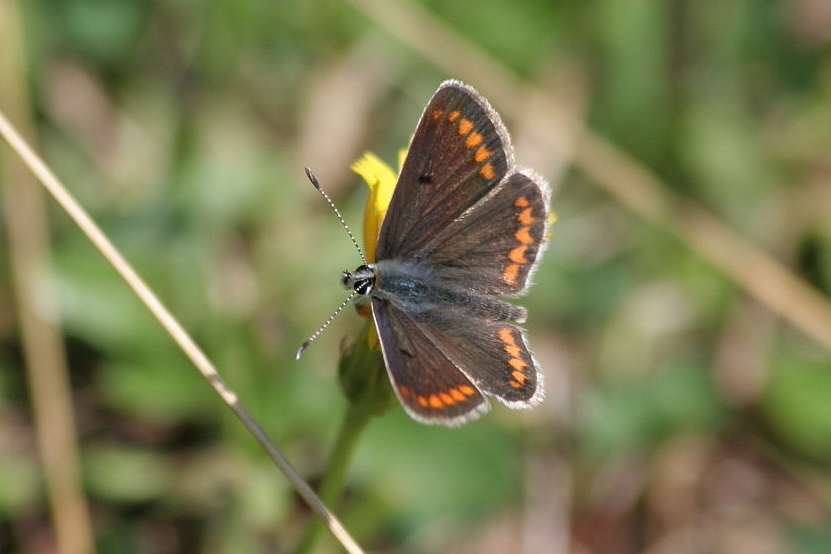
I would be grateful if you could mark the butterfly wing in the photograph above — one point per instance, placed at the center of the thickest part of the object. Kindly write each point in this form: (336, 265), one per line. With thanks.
(492, 354)
(460, 202)
(459, 152)
(428, 384)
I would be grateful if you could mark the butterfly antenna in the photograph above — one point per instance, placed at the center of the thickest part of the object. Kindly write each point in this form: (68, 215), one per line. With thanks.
(326, 323)
(316, 184)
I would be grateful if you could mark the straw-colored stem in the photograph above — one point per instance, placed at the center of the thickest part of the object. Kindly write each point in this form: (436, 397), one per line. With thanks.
(171, 325)
(43, 349)
(331, 488)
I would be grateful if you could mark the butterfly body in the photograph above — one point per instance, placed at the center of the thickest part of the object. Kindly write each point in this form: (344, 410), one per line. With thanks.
(417, 288)
(465, 227)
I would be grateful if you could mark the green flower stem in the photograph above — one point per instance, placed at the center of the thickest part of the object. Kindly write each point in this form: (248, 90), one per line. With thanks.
(364, 381)
(353, 424)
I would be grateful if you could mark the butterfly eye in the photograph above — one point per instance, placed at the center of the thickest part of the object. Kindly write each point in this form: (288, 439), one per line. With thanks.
(361, 281)
(363, 286)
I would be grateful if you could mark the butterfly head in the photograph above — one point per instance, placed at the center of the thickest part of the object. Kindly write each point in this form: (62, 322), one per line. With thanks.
(361, 280)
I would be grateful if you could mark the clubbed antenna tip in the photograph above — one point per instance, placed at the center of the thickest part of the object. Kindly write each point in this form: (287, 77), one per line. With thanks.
(312, 178)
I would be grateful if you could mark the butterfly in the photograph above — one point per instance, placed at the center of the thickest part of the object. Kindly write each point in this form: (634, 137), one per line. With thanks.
(465, 228)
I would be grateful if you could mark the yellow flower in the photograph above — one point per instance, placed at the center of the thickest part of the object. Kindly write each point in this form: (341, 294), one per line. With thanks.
(381, 180)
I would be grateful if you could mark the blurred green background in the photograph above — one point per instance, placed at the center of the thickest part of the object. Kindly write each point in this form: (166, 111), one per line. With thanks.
(682, 414)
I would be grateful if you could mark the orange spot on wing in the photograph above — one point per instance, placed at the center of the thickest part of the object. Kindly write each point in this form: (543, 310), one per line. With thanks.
(404, 390)
(457, 395)
(436, 114)
(487, 171)
(513, 351)
(454, 115)
(525, 216)
(518, 254)
(523, 235)
(510, 273)
(423, 401)
(521, 202)
(516, 361)
(467, 390)
(465, 125)
(446, 398)
(435, 401)
(517, 364)
(473, 139)
(482, 153)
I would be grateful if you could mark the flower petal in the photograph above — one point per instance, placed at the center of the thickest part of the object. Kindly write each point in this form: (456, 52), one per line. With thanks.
(381, 181)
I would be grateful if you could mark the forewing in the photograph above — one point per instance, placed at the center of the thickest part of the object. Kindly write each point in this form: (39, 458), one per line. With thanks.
(459, 152)
(429, 385)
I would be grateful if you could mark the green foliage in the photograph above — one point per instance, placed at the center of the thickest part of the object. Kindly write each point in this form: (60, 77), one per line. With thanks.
(642, 415)
(184, 127)
(797, 403)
